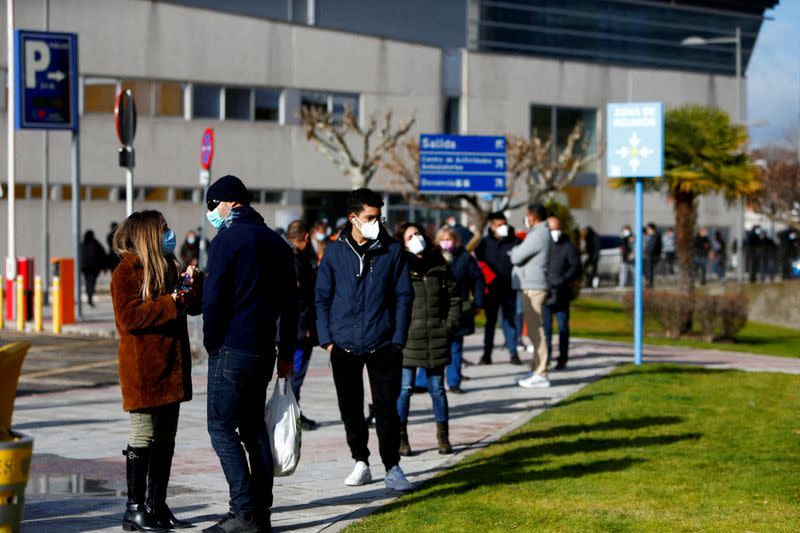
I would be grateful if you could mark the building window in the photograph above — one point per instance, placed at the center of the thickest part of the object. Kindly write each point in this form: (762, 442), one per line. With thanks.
(169, 99)
(237, 103)
(268, 104)
(183, 194)
(99, 95)
(205, 101)
(549, 122)
(142, 94)
(272, 197)
(155, 194)
(333, 103)
(451, 116)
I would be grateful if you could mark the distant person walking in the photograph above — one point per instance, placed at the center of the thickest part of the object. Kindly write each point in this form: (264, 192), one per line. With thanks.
(702, 250)
(591, 247)
(565, 268)
(493, 250)
(93, 260)
(250, 291)
(531, 260)
(190, 249)
(434, 322)
(626, 257)
(670, 250)
(154, 361)
(470, 286)
(719, 255)
(652, 253)
(363, 299)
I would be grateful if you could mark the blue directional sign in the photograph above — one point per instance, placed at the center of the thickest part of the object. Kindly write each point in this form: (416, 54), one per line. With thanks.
(46, 80)
(454, 164)
(635, 140)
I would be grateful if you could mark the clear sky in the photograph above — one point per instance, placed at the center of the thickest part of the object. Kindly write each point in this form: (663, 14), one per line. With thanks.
(773, 76)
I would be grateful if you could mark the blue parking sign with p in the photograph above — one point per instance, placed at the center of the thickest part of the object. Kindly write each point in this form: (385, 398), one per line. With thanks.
(635, 140)
(46, 80)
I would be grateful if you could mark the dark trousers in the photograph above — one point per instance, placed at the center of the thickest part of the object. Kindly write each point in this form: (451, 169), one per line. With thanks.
(508, 305)
(302, 357)
(384, 369)
(650, 264)
(237, 391)
(91, 283)
(561, 313)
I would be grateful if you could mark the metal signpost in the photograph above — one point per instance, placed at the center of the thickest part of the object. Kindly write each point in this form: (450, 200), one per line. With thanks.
(458, 164)
(635, 149)
(206, 157)
(45, 97)
(125, 122)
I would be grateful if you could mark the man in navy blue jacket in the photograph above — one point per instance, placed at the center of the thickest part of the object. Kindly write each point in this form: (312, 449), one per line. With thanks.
(251, 288)
(363, 299)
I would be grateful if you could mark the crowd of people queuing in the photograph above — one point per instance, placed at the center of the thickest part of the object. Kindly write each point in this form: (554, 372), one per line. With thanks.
(765, 258)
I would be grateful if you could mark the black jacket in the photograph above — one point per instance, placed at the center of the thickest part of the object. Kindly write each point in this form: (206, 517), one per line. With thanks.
(494, 252)
(305, 267)
(653, 245)
(250, 288)
(93, 256)
(565, 267)
(363, 302)
(435, 312)
(470, 286)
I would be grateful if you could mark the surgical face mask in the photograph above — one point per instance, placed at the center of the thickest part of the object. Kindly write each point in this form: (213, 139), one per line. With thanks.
(319, 236)
(416, 245)
(502, 231)
(168, 242)
(555, 234)
(447, 244)
(626, 233)
(527, 223)
(328, 232)
(190, 240)
(214, 217)
(369, 230)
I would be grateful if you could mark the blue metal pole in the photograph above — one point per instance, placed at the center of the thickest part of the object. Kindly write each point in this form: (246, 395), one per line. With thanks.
(637, 276)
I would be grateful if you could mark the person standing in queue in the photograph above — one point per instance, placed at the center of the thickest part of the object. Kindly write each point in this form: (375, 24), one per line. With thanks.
(470, 286)
(249, 299)
(154, 360)
(363, 299)
(434, 323)
(565, 268)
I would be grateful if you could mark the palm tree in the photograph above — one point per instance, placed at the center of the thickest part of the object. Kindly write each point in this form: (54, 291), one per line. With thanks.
(703, 153)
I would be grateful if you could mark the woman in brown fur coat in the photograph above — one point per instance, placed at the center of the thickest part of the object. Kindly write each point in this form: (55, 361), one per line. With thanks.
(154, 360)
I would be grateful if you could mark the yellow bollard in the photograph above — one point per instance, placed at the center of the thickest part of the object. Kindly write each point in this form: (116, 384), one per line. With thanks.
(55, 303)
(37, 303)
(20, 304)
(2, 303)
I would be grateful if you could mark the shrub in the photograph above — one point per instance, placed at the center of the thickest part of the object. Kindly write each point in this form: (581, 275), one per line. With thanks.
(733, 312)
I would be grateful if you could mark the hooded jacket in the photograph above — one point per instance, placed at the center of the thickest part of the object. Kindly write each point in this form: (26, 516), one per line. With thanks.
(251, 286)
(363, 302)
(435, 312)
(531, 259)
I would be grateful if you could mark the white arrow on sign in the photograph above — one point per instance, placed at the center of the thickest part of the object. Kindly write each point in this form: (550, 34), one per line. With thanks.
(57, 75)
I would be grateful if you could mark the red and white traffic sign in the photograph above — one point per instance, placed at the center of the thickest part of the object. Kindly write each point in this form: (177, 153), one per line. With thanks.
(207, 149)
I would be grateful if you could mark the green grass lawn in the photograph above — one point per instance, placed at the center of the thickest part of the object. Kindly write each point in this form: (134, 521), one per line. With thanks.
(657, 449)
(604, 319)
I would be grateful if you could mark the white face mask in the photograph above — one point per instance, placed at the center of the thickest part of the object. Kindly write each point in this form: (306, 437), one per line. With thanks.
(369, 230)
(555, 234)
(527, 223)
(416, 245)
(502, 231)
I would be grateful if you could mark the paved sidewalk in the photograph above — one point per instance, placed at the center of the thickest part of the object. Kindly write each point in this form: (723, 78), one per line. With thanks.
(77, 478)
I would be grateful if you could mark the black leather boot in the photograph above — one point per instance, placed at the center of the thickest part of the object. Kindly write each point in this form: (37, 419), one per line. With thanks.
(443, 438)
(137, 517)
(405, 447)
(158, 480)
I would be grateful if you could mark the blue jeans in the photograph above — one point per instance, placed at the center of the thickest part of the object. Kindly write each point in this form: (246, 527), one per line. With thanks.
(302, 357)
(561, 313)
(435, 389)
(453, 370)
(237, 391)
(508, 304)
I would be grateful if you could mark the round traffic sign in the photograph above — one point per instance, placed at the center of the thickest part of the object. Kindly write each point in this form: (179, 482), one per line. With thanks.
(207, 148)
(125, 117)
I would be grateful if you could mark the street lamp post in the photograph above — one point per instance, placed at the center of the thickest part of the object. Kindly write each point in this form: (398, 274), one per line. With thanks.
(736, 39)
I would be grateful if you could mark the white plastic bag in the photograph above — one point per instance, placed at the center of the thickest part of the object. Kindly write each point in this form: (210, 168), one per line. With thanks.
(283, 425)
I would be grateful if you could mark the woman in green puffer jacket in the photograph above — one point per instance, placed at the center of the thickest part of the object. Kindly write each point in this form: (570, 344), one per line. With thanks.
(434, 321)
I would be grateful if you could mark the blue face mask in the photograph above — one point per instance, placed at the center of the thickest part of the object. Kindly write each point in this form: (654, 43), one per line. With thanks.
(214, 219)
(168, 242)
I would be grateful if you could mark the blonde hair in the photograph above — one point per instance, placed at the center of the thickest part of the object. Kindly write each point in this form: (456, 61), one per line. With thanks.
(141, 235)
(448, 233)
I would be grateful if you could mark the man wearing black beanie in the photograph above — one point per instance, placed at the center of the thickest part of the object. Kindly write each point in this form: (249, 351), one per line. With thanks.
(249, 292)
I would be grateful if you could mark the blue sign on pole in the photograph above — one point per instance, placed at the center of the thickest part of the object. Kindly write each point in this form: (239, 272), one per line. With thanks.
(635, 140)
(46, 78)
(457, 164)
(635, 149)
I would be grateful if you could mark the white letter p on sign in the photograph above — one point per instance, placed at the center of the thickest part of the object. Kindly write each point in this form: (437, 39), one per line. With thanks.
(37, 59)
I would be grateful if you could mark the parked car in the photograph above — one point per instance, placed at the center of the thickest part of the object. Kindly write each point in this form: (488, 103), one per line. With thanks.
(610, 257)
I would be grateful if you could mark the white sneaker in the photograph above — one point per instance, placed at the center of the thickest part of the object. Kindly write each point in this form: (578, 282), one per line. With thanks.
(360, 475)
(396, 480)
(534, 381)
